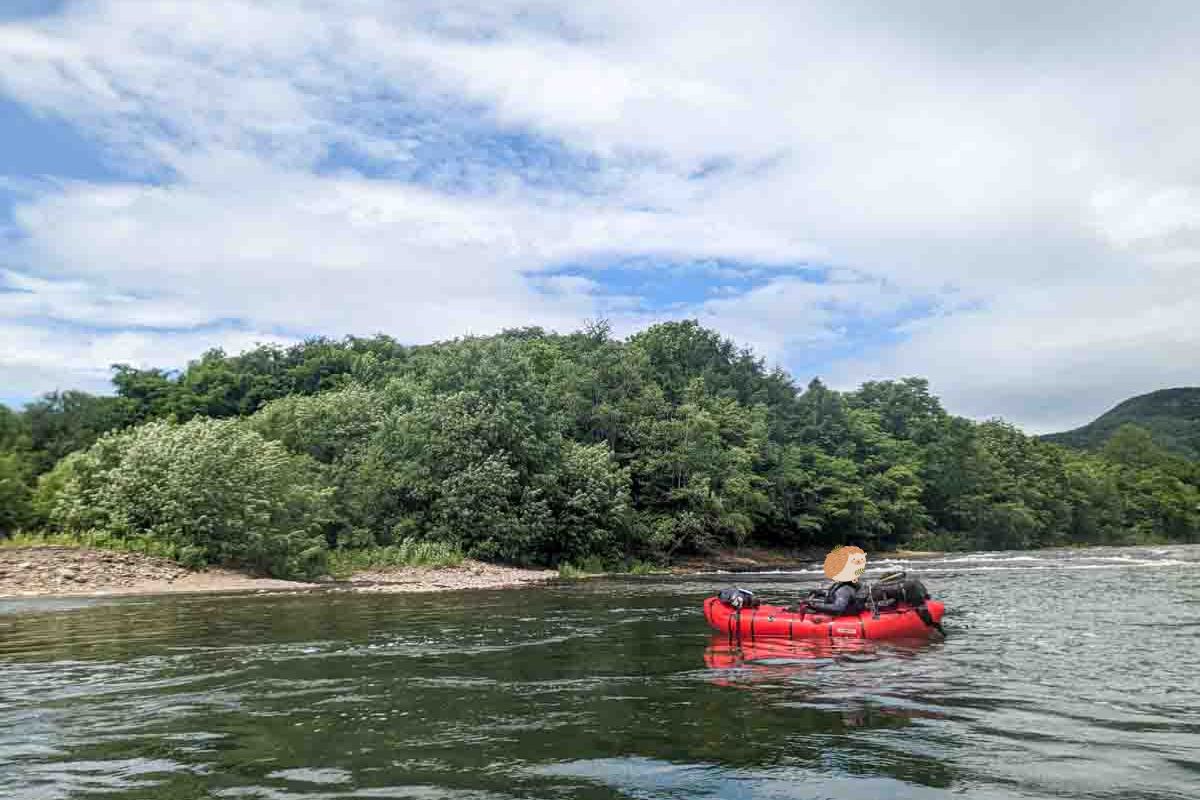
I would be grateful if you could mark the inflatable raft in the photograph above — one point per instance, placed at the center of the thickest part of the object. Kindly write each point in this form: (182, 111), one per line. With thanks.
(734, 612)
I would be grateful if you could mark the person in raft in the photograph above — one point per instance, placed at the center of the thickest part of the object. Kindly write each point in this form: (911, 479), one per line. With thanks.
(843, 566)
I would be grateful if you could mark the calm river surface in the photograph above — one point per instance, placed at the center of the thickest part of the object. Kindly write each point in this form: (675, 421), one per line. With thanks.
(1065, 674)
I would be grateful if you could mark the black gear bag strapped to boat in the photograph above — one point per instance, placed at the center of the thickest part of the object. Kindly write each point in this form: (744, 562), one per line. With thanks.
(898, 588)
(738, 598)
(908, 590)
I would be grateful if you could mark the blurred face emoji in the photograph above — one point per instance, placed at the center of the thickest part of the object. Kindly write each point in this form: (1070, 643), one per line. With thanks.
(845, 563)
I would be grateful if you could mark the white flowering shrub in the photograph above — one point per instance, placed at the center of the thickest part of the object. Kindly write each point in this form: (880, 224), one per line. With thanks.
(208, 491)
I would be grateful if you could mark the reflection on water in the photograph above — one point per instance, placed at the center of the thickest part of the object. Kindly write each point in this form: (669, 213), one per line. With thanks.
(1065, 674)
(800, 655)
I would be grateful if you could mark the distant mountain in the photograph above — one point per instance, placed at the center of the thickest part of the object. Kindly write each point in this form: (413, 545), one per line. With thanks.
(1172, 416)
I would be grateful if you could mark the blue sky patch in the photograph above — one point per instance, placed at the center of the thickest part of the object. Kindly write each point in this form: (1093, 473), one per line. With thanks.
(664, 284)
(40, 145)
(453, 148)
(11, 10)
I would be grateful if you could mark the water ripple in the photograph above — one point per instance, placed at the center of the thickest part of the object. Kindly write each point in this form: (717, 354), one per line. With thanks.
(1068, 673)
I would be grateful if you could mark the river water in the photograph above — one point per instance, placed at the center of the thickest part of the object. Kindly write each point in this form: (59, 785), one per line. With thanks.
(1064, 674)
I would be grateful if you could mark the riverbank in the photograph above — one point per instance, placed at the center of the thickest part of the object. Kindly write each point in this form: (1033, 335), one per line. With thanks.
(56, 571)
(60, 571)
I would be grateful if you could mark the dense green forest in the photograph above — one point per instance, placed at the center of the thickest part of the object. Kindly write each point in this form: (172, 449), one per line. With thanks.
(533, 447)
(1170, 416)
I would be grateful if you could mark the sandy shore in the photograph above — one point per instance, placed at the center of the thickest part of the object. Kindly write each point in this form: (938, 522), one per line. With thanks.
(81, 572)
(468, 575)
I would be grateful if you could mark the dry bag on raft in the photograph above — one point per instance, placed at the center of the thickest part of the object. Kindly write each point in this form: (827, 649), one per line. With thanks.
(905, 590)
(738, 598)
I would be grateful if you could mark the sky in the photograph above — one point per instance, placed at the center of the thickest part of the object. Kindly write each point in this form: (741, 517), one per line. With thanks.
(1003, 198)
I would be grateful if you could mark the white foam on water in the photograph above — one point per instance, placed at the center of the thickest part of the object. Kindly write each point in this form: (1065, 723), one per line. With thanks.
(1130, 559)
(767, 572)
(327, 775)
(985, 562)
(1047, 564)
(965, 559)
(1163, 563)
(993, 558)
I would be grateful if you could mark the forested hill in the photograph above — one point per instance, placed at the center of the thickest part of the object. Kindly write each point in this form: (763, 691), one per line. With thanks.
(548, 448)
(1170, 416)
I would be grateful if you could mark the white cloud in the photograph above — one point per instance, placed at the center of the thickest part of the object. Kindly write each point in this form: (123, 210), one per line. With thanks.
(1050, 358)
(28, 297)
(348, 255)
(1154, 217)
(1027, 168)
(42, 358)
(789, 314)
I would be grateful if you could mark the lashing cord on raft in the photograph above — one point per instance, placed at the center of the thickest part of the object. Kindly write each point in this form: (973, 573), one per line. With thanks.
(923, 612)
(891, 576)
(871, 600)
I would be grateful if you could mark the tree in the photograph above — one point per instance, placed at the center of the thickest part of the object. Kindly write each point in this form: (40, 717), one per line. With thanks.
(63, 422)
(698, 463)
(589, 502)
(14, 431)
(149, 393)
(210, 491)
(906, 408)
(1133, 446)
(15, 509)
(538, 447)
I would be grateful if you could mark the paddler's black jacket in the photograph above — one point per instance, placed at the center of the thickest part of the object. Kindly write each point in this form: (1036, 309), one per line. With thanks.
(841, 598)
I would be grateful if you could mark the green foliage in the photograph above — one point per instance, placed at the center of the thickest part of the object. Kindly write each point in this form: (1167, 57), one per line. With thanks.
(405, 553)
(335, 429)
(470, 450)
(15, 508)
(96, 540)
(939, 541)
(590, 507)
(905, 408)
(591, 566)
(327, 427)
(218, 385)
(1171, 417)
(578, 451)
(14, 431)
(65, 422)
(695, 471)
(594, 565)
(570, 571)
(1132, 446)
(214, 491)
